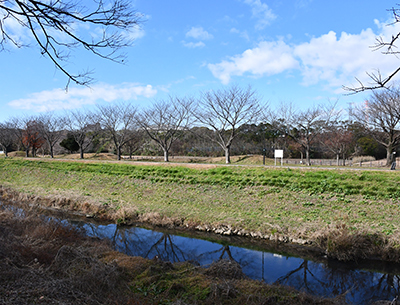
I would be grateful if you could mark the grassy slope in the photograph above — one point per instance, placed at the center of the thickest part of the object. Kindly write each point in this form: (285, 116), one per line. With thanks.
(300, 203)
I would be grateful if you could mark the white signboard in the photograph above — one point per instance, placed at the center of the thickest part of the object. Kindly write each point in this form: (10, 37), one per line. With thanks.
(278, 153)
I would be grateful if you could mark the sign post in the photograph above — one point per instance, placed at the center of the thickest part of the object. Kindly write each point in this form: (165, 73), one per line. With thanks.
(263, 156)
(278, 154)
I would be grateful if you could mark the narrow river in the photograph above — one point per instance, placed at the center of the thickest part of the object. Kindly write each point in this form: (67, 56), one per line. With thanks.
(363, 283)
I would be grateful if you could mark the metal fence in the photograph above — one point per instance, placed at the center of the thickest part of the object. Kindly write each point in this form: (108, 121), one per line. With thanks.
(334, 162)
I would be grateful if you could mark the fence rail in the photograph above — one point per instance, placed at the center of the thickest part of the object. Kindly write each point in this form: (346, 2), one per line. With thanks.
(334, 162)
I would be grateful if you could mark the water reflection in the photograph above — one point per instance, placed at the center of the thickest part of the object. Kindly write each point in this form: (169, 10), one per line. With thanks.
(360, 285)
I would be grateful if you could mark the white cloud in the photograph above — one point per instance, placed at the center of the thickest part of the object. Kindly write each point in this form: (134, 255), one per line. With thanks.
(15, 30)
(199, 33)
(302, 3)
(261, 12)
(242, 34)
(336, 61)
(267, 58)
(332, 60)
(193, 45)
(136, 32)
(58, 99)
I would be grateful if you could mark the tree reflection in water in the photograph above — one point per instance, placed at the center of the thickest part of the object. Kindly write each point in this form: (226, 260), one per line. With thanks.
(331, 279)
(360, 286)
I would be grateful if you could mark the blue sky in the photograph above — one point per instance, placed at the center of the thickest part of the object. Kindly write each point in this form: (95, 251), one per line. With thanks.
(298, 51)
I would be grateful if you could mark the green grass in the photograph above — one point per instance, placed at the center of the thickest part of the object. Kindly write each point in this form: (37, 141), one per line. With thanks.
(297, 202)
(371, 184)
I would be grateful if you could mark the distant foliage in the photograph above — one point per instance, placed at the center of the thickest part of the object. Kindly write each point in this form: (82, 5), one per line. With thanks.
(69, 143)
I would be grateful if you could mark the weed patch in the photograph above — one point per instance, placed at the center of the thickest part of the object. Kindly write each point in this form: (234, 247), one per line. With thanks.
(384, 184)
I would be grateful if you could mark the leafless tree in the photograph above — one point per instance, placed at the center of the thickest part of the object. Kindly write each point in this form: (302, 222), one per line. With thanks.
(31, 136)
(54, 26)
(136, 138)
(51, 128)
(84, 127)
(337, 138)
(118, 121)
(165, 120)
(17, 126)
(381, 116)
(25, 129)
(303, 126)
(7, 136)
(389, 47)
(224, 111)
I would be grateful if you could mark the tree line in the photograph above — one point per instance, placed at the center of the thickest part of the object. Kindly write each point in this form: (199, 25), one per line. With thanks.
(229, 121)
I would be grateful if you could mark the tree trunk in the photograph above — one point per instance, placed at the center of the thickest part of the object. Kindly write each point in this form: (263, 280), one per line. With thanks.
(51, 152)
(308, 157)
(389, 155)
(81, 152)
(27, 152)
(338, 159)
(119, 153)
(227, 155)
(166, 155)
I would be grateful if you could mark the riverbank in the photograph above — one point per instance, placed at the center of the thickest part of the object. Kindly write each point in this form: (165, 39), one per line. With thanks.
(47, 262)
(347, 215)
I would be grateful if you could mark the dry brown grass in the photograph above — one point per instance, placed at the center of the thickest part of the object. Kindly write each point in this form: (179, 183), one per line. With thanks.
(227, 269)
(191, 161)
(89, 156)
(48, 263)
(341, 243)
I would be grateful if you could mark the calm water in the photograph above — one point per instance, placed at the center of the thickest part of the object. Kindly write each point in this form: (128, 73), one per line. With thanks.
(324, 279)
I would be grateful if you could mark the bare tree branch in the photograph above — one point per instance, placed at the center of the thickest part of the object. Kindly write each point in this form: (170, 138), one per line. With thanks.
(51, 127)
(119, 122)
(224, 111)
(378, 82)
(54, 27)
(389, 48)
(165, 120)
(84, 126)
(381, 117)
(303, 126)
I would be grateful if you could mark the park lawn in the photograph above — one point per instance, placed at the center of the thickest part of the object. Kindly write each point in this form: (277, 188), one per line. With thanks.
(299, 203)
